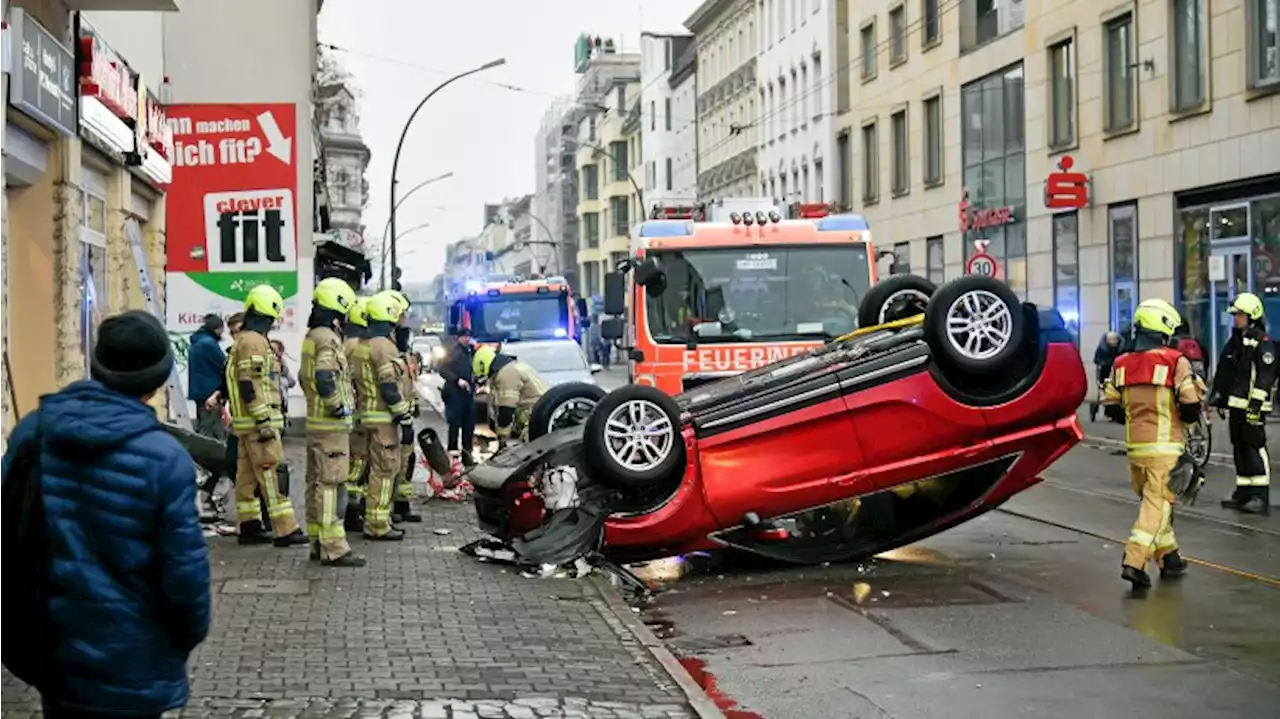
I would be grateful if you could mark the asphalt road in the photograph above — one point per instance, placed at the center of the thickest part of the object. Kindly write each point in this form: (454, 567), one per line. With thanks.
(1020, 612)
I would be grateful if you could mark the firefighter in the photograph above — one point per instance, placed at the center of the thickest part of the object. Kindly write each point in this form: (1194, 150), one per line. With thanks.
(1159, 393)
(354, 331)
(514, 388)
(326, 382)
(401, 508)
(1242, 389)
(257, 420)
(383, 411)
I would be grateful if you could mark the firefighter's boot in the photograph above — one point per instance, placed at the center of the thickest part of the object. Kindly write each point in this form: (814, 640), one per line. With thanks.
(1255, 505)
(1173, 565)
(291, 540)
(393, 535)
(347, 560)
(252, 533)
(354, 519)
(1137, 577)
(315, 550)
(402, 511)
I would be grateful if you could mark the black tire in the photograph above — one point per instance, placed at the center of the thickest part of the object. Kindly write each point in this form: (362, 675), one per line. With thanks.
(602, 450)
(1200, 441)
(991, 354)
(434, 451)
(894, 296)
(542, 414)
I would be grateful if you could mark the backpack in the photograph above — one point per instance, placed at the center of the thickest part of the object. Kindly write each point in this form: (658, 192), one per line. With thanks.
(24, 551)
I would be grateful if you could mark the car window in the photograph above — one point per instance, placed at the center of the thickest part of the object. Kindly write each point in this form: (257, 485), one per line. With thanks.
(558, 357)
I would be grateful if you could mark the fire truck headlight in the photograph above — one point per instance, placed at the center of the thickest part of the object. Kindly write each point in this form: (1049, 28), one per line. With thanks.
(561, 332)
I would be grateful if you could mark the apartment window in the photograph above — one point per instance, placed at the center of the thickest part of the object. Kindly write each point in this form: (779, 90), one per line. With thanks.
(653, 115)
(844, 160)
(901, 259)
(901, 154)
(1122, 87)
(590, 230)
(782, 107)
(1264, 42)
(804, 183)
(591, 182)
(869, 50)
(618, 151)
(782, 187)
(670, 174)
(820, 83)
(1062, 96)
(666, 113)
(870, 163)
(935, 260)
(621, 215)
(804, 94)
(1122, 238)
(620, 99)
(931, 27)
(591, 128)
(795, 182)
(982, 21)
(1066, 264)
(1188, 75)
(797, 99)
(819, 192)
(898, 35)
(933, 141)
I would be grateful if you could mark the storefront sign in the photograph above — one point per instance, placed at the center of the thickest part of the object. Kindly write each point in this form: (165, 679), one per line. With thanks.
(1066, 190)
(108, 91)
(153, 139)
(42, 83)
(982, 218)
(232, 206)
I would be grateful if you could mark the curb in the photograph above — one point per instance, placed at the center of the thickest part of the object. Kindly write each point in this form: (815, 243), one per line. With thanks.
(1215, 458)
(699, 702)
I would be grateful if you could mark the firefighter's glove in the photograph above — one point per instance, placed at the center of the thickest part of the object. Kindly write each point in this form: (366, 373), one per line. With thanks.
(406, 434)
(340, 412)
(417, 411)
(1253, 415)
(404, 420)
(267, 434)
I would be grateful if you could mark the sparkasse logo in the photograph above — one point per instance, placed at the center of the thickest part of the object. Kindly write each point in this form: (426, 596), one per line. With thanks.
(250, 231)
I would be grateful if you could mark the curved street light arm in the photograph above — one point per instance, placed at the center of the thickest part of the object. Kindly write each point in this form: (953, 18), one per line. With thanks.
(382, 262)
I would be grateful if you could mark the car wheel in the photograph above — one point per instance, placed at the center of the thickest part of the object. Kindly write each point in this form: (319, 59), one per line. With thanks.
(895, 298)
(564, 405)
(1200, 441)
(976, 325)
(633, 437)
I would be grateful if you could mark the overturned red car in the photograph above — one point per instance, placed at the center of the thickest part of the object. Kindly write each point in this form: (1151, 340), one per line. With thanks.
(878, 439)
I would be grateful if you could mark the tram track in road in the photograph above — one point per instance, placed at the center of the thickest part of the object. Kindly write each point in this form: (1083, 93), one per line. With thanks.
(1182, 511)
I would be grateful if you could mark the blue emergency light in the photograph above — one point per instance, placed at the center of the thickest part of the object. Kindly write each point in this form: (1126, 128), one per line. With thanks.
(843, 223)
(666, 228)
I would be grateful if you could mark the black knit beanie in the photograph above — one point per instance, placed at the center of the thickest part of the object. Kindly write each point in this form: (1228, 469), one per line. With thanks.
(132, 355)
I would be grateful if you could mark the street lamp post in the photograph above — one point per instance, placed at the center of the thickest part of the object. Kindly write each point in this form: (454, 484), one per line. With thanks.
(395, 162)
(382, 261)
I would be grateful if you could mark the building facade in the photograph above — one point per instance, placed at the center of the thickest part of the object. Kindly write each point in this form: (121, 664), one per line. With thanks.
(341, 249)
(83, 164)
(683, 82)
(609, 165)
(661, 125)
(555, 201)
(960, 119)
(726, 36)
(797, 98)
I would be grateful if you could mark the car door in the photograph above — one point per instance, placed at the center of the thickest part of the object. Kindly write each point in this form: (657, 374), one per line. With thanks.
(775, 450)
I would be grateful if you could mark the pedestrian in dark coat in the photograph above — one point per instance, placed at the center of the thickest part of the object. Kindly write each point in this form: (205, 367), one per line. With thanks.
(128, 570)
(459, 394)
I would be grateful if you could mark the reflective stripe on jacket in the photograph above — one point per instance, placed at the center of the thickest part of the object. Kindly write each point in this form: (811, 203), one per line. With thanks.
(376, 365)
(252, 360)
(1247, 369)
(1150, 385)
(322, 352)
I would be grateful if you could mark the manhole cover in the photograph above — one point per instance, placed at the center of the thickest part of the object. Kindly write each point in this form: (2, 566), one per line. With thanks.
(266, 586)
(693, 645)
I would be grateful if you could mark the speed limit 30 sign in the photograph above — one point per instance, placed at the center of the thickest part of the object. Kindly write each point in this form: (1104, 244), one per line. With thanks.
(981, 264)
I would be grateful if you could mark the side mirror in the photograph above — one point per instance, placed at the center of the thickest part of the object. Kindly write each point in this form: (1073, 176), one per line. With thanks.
(615, 293)
(611, 329)
(581, 305)
(455, 317)
(651, 277)
(596, 369)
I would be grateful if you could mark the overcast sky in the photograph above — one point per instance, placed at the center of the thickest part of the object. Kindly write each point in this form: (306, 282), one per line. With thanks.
(398, 50)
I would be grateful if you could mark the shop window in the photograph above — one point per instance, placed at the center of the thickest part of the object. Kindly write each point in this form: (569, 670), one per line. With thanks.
(935, 259)
(1122, 238)
(933, 143)
(993, 153)
(902, 258)
(1066, 269)
(901, 154)
(94, 302)
(1265, 218)
(897, 36)
(869, 51)
(1263, 44)
(870, 163)
(1189, 76)
(1120, 97)
(931, 30)
(1062, 95)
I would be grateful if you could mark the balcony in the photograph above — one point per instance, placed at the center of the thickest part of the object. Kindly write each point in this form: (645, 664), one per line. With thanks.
(135, 5)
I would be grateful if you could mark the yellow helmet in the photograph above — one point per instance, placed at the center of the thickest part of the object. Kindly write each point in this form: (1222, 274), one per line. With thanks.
(383, 307)
(402, 298)
(334, 294)
(1157, 316)
(483, 360)
(1247, 303)
(265, 300)
(356, 315)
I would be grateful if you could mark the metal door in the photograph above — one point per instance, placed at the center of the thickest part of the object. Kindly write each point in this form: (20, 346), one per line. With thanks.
(1230, 269)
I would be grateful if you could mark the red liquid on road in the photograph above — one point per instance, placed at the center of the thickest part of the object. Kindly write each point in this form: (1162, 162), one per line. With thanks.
(697, 669)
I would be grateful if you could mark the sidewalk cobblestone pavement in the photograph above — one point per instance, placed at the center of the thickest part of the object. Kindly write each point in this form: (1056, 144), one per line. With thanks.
(423, 632)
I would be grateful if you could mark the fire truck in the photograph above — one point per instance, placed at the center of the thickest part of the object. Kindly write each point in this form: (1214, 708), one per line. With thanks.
(706, 300)
(516, 310)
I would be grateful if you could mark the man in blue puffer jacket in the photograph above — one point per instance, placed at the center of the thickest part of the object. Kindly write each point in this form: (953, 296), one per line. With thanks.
(128, 581)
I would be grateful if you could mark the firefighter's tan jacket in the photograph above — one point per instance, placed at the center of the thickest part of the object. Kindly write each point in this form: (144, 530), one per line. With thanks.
(1150, 385)
(326, 381)
(253, 362)
(516, 386)
(379, 371)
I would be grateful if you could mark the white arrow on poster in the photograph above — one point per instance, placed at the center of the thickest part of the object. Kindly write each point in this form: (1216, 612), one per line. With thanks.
(278, 145)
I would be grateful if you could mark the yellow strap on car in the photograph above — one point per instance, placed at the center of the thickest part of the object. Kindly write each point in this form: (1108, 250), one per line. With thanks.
(894, 325)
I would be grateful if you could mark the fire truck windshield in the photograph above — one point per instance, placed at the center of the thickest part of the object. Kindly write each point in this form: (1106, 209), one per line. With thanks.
(758, 293)
(519, 317)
